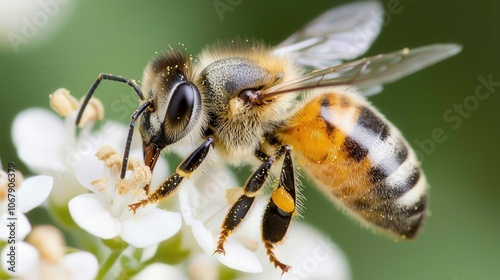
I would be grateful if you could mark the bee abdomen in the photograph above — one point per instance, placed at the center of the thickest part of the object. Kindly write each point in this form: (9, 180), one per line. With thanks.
(403, 220)
(394, 169)
(398, 200)
(360, 160)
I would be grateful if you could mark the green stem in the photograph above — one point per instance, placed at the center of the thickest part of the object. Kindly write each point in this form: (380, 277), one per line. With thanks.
(108, 264)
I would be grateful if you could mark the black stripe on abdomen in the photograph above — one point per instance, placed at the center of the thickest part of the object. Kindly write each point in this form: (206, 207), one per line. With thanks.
(397, 155)
(354, 150)
(369, 130)
(387, 191)
(404, 221)
(414, 214)
(372, 123)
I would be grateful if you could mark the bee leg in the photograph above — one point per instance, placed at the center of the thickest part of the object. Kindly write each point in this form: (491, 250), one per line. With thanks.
(279, 210)
(184, 170)
(240, 208)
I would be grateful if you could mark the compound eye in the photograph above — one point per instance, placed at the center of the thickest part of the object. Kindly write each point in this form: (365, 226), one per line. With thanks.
(181, 105)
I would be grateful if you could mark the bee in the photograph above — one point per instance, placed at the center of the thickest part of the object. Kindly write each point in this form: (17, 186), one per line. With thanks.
(296, 102)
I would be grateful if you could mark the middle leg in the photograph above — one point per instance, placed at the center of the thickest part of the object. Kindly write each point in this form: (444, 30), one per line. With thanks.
(241, 207)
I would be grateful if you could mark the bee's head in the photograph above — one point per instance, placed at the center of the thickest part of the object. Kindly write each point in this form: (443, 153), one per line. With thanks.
(175, 108)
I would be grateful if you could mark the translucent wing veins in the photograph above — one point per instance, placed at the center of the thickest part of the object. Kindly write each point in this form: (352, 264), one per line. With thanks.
(369, 72)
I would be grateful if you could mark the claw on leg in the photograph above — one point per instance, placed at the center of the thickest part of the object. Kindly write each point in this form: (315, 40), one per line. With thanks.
(269, 249)
(222, 240)
(135, 206)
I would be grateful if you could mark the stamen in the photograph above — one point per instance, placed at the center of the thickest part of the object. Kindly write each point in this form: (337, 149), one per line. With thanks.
(109, 157)
(101, 183)
(62, 102)
(93, 112)
(49, 242)
(141, 174)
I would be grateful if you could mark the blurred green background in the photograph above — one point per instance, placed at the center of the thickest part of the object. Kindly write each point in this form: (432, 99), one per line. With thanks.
(461, 239)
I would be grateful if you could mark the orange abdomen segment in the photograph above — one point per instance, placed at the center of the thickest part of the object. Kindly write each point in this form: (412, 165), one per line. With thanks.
(360, 160)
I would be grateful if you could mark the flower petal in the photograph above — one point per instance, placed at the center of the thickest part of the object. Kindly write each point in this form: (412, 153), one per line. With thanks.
(22, 229)
(110, 133)
(153, 227)
(65, 187)
(27, 260)
(149, 252)
(205, 198)
(23, 226)
(39, 137)
(237, 256)
(92, 214)
(203, 266)
(34, 191)
(89, 170)
(80, 265)
(159, 271)
(187, 198)
(310, 254)
(240, 258)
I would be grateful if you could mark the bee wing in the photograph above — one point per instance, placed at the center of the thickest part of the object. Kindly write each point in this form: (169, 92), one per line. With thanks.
(342, 33)
(370, 72)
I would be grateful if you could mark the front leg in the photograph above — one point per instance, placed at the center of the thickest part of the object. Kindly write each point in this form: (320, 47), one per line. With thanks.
(184, 170)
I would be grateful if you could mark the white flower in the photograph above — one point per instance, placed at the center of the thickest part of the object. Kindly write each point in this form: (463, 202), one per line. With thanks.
(27, 195)
(42, 257)
(204, 205)
(27, 23)
(50, 146)
(105, 212)
(160, 271)
(310, 254)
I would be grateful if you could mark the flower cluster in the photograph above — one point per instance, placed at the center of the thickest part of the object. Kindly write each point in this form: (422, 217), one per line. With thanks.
(84, 194)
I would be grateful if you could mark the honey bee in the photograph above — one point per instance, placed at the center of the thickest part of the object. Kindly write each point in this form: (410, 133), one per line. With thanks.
(263, 106)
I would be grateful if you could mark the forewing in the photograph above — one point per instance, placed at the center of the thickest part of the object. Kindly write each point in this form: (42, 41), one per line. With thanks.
(371, 72)
(342, 33)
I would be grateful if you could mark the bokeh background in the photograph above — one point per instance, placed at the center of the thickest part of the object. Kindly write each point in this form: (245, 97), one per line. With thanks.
(461, 239)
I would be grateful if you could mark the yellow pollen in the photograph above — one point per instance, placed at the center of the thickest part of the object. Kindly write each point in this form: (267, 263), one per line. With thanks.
(123, 186)
(109, 157)
(283, 200)
(141, 174)
(105, 152)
